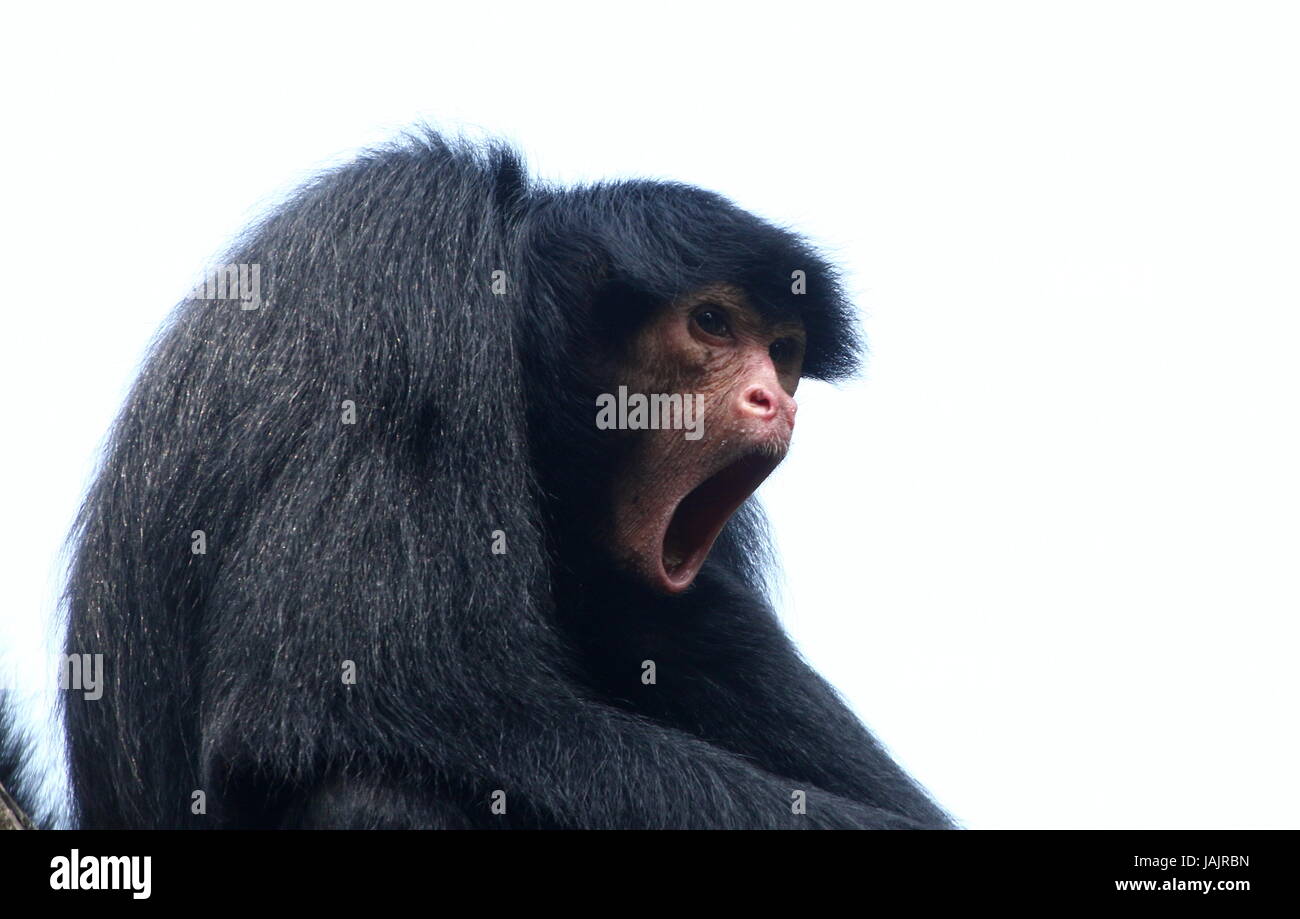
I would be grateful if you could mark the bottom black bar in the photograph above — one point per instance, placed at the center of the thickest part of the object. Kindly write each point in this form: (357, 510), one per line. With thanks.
(1227, 868)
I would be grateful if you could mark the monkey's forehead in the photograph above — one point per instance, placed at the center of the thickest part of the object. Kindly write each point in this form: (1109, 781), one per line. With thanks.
(665, 240)
(674, 237)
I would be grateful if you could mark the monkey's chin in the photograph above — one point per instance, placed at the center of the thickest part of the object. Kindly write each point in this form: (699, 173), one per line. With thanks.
(699, 516)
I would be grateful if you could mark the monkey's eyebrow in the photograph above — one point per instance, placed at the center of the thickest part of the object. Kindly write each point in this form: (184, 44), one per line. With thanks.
(750, 317)
(786, 329)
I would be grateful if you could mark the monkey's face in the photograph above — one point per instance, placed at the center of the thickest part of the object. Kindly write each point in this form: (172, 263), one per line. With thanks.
(705, 395)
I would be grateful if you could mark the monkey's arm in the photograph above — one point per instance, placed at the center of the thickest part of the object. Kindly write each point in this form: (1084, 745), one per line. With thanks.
(579, 764)
(776, 709)
(725, 671)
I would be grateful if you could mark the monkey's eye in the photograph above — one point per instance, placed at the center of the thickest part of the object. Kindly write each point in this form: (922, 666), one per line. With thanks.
(784, 350)
(712, 320)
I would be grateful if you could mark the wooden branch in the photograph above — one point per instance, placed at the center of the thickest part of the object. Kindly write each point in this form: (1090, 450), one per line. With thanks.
(12, 816)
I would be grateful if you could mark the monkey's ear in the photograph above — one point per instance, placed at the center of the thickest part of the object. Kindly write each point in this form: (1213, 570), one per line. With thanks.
(619, 308)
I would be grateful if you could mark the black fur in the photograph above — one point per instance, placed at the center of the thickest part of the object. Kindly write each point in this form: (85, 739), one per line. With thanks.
(371, 542)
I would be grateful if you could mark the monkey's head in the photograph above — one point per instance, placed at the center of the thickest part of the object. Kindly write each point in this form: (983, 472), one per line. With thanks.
(690, 323)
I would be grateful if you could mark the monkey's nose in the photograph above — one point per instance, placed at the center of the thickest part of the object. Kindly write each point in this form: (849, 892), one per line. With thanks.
(763, 403)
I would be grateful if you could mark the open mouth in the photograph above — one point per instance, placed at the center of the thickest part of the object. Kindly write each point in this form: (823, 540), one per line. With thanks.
(701, 515)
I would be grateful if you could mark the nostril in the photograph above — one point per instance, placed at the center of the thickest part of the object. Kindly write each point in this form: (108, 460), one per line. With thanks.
(759, 401)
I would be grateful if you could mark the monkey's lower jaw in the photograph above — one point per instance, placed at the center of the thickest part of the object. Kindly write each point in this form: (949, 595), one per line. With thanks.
(699, 517)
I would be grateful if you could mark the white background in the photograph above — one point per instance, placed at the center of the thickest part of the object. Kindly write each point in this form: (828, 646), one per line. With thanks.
(1047, 547)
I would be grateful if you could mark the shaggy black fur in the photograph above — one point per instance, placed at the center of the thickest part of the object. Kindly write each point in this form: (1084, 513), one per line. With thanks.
(371, 542)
